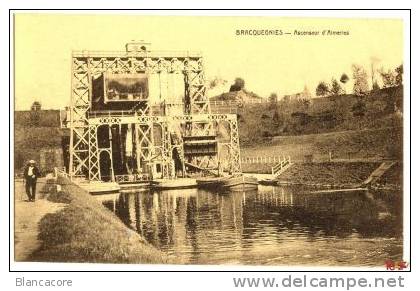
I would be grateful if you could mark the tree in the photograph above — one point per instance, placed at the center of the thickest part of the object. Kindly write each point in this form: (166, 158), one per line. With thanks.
(399, 77)
(360, 77)
(306, 93)
(336, 88)
(359, 108)
(322, 89)
(344, 78)
(388, 78)
(276, 119)
(36, 106)
(273, 99)
(373, 63)
(216, 82)
(238, 85)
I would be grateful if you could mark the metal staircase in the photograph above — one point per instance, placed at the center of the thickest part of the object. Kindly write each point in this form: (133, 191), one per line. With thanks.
(378, 172)
(282, 166)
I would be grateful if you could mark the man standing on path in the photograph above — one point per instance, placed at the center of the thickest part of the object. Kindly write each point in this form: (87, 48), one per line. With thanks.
(31, 174)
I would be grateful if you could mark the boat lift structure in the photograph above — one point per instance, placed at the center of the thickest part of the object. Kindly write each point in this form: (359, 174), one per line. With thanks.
(118, 134)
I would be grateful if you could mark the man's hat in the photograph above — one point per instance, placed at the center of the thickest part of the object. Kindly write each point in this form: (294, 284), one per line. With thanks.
(32, 162)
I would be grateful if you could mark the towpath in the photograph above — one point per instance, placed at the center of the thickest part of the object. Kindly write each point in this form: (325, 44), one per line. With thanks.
(27, 217)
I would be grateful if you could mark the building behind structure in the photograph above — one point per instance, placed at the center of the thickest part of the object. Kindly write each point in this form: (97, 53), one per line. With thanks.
(304, 95)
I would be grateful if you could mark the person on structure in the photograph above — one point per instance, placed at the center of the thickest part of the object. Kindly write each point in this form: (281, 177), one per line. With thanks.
(31, 174)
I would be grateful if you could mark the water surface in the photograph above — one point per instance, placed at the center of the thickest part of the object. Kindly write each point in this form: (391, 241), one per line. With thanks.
(271, 226)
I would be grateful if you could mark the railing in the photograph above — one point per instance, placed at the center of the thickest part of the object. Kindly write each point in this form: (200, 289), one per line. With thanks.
(232, 106)
(262, 160)
(142, 54)
(121, 113)
(221, 106)
(131, 178)
(223, 103)
(111, 113)
(277, 169)
(237, 103)
(58, 172)
(217, 106)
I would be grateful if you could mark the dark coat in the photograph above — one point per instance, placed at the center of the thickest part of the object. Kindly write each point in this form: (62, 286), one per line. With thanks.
(35, 171)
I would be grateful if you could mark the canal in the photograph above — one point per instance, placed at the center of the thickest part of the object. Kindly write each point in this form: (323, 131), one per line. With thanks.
(271, 226)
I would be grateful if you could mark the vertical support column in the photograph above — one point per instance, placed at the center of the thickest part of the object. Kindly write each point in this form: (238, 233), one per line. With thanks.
(137, 132)
(144, 143)
(197, 103)
(94, 170)
(235, 152)
(80, 104)
(196, 88)
(182, 157)
(168, 166)
(110, 153)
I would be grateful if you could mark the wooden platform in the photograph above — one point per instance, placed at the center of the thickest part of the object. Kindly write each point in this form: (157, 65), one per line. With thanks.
(339, 190)
(135, 185)
(97, 188)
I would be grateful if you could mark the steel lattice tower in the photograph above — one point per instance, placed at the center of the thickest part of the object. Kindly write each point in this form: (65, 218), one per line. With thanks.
(85, 150)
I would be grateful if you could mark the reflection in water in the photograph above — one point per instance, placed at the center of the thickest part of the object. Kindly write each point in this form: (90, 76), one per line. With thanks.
(274, 225)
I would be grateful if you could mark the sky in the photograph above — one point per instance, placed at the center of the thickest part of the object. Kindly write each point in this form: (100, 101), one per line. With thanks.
(283, 64)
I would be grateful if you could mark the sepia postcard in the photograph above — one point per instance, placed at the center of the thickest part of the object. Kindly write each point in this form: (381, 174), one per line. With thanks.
(210, 140)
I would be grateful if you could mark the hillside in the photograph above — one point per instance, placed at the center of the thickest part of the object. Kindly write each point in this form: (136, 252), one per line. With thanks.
(242, 97)
(32, 135)
(379, 109)
(369, 144)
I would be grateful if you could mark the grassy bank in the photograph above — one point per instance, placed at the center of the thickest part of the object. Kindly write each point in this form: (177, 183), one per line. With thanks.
(85, 231)
(332, 174)
(260, 168)
(349, 174)
(367, 145)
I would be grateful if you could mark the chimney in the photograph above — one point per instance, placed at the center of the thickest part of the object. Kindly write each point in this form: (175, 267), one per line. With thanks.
(137, 47)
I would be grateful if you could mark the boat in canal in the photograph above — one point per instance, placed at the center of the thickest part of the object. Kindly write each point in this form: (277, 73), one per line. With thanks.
(211, 183)
(240, 183)
(269, 182)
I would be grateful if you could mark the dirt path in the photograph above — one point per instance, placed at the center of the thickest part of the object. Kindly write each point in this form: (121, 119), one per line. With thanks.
(27, 217)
